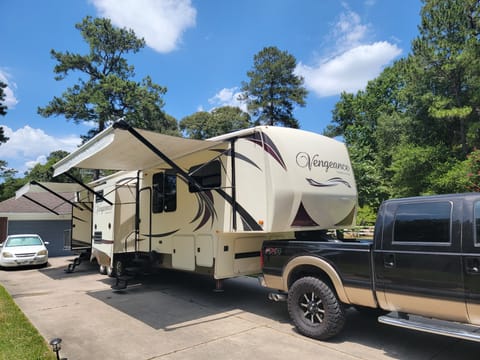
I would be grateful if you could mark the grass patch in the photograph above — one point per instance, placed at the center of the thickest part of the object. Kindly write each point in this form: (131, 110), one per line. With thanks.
(19, 340)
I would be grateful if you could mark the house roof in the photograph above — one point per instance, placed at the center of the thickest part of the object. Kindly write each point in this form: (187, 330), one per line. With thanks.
(24, 208)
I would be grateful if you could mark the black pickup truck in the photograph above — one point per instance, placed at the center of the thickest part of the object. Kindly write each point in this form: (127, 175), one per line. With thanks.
(421, 271)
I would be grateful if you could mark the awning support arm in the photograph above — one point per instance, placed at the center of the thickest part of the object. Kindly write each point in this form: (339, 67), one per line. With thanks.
(123, 125)
(55, 194)
(88, 188)
(40, 204)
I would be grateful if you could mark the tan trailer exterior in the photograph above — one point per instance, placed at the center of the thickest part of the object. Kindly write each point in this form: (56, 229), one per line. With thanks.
(207, 206)
(113, 230)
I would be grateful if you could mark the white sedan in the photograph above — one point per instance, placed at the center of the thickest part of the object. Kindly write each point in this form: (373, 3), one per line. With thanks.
(21, 250)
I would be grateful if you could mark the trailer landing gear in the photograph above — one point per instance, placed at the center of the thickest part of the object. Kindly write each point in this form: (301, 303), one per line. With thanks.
(77, 261)
(121, 282)
(218, 286)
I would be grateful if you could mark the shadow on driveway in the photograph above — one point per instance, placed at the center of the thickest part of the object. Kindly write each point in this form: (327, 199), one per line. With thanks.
(59, 273)
(171, 299)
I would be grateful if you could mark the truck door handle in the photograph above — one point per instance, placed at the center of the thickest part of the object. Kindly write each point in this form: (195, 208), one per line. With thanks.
(389, 261)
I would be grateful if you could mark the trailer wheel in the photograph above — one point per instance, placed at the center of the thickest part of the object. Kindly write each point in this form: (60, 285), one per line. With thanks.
(110, 271)
(102, 269)
(315, 309)
(117, 269)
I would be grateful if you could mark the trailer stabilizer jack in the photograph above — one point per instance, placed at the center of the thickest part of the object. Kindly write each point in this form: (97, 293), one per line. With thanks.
(77, 261)
(121, 282)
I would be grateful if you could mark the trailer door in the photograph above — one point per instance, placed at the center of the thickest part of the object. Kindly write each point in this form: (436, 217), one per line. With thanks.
(82, 217)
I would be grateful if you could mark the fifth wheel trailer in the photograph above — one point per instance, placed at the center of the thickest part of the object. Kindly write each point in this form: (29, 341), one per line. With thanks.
(207, 205)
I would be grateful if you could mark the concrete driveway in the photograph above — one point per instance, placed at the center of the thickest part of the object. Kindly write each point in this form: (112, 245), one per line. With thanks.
(176, 315)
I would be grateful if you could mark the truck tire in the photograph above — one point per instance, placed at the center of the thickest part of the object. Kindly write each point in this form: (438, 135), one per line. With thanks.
(315, 309)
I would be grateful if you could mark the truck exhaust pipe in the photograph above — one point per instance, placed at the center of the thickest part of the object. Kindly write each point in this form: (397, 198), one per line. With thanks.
(277, 297)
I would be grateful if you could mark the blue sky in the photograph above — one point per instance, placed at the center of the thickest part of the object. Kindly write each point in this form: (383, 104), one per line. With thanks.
(200, 50)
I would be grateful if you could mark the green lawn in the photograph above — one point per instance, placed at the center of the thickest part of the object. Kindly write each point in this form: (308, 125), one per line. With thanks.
(19, 340)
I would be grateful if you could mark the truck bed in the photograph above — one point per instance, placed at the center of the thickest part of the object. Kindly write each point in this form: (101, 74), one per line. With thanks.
(350, 259)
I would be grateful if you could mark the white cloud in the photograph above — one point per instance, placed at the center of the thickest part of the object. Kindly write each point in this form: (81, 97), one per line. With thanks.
(42, 159)
(10, 99)
(160, 22)
(27, 146)
(228, 97)
(349, 71)
(352, 63)
(349, 31)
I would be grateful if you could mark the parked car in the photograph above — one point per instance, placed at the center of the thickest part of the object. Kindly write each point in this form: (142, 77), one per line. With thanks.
(22, 250)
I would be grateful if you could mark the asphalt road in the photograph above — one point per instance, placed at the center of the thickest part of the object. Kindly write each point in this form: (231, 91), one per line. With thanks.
(175, 315)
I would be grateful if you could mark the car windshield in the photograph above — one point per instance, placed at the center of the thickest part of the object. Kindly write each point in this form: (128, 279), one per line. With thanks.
(23, 241)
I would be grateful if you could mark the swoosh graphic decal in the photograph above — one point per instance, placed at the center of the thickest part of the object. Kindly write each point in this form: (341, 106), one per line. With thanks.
(208, 209)
(199, 210)
(268, 146)
(248, 221)
(330, 182)
(240, 157)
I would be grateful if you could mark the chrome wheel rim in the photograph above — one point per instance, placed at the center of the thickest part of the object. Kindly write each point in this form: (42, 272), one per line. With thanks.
(312, 308)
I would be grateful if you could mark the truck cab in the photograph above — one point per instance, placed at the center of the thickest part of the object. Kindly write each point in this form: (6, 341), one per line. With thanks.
(422, 269)
(427, 257)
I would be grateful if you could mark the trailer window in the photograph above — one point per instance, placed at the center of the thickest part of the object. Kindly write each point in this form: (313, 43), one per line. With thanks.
(164, 192)
(424, 223)
(208, 176)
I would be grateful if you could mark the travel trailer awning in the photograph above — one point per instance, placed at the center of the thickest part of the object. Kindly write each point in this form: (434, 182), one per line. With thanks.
(56, 189)
(53, 188)
(116, 148)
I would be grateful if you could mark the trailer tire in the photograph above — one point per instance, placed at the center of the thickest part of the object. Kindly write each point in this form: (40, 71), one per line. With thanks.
(102, 269)
(315, 309)
(110, 271)
(118, 268)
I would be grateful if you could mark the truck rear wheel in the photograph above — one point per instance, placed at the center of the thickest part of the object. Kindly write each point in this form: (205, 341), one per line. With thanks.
(315, 309)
